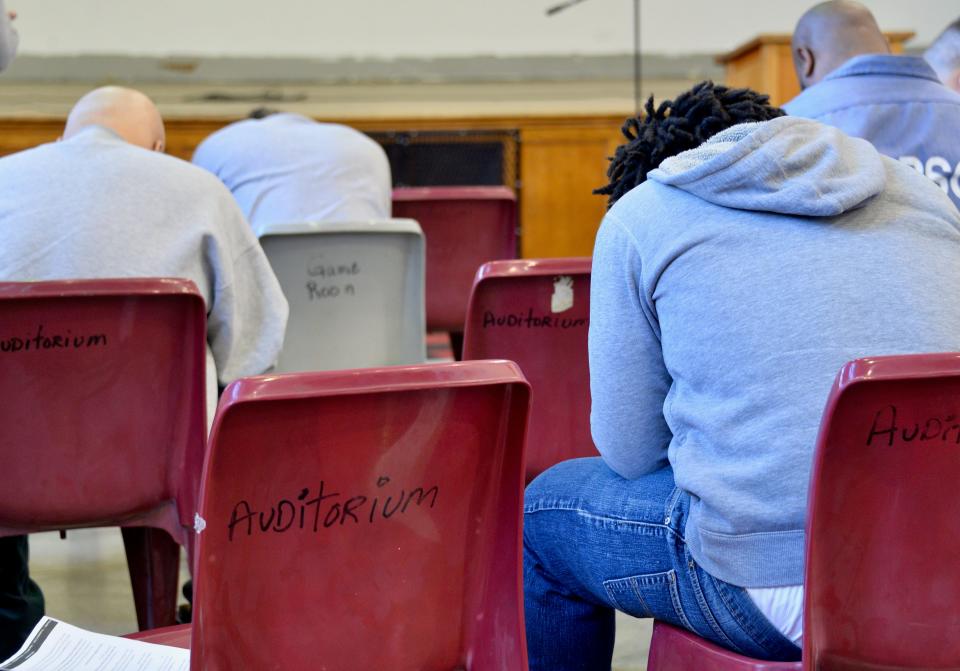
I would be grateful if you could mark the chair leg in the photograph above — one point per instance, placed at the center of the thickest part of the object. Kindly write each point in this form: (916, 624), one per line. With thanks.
(153, 558)
(456, 344)
(191, 552)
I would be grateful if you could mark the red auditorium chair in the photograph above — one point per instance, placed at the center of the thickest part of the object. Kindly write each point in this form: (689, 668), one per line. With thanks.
(536, 313)
(464, 226)
(364, 519)
(883, 533)
(104, 420)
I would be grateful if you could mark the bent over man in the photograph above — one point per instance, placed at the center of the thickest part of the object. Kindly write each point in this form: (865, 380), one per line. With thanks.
(285, 168)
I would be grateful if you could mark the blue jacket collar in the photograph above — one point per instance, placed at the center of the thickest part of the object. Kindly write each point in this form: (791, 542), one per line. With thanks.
(885, 64)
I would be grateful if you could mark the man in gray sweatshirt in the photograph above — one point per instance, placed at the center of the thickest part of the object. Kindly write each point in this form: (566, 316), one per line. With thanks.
(106, 202)
(744, 264)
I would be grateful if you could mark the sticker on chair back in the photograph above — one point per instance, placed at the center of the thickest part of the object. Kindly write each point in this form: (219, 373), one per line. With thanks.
(562, 298)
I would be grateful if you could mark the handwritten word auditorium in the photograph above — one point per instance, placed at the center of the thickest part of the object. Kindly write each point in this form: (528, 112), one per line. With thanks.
(436, 335)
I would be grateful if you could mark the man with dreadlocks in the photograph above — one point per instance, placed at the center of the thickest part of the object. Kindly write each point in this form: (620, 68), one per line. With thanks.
(746, 256)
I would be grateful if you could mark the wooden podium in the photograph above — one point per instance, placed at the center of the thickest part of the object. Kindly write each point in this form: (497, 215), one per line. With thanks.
(765, 64)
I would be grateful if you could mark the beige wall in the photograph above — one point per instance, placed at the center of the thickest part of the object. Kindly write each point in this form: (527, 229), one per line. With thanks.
(339, 29)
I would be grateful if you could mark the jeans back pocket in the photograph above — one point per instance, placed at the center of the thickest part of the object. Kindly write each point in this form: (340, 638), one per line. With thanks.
(649, 595)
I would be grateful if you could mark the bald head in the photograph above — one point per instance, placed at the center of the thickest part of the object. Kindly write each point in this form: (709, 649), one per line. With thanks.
(832, 33)
(128, 113)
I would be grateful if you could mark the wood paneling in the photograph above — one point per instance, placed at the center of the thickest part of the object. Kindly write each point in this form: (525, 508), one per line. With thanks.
(559, 169)
(561, 161)
(19, 134)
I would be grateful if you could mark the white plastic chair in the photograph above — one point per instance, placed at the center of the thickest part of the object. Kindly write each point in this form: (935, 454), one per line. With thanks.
(356, 293)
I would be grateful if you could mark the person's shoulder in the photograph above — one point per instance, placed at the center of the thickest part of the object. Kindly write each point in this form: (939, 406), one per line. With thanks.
(29, 155)
(44, 158)
(653, 212)
(648, 200)
(233, 128)
(938, 93)
(200, 198)
(176, 174)
(916, 193)
(225, 135)
(342, 131)
(825, 97)
(343, 141)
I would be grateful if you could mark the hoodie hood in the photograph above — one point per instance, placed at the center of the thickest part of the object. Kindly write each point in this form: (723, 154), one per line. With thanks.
(787, 165)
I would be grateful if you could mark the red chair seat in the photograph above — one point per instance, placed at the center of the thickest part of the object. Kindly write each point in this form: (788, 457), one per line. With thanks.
(674, 649)
(178, 636)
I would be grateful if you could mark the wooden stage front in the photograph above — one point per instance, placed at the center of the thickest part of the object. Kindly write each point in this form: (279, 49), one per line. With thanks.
(565, 130)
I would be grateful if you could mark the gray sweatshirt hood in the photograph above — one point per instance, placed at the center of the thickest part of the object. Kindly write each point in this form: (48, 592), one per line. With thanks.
(788, 165)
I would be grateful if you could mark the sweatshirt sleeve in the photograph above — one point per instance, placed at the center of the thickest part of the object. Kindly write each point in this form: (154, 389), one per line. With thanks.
(248, 315)
(628, 379)
(9, 38)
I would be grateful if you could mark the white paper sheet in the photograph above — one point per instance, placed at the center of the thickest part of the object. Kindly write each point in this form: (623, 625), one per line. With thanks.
(57, 646)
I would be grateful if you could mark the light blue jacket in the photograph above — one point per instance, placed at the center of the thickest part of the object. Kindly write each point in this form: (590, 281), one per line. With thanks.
(288, 169)
(728, 290)
(898, 104)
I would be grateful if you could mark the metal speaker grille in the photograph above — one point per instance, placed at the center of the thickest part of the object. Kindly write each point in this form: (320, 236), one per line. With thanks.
(452, 158)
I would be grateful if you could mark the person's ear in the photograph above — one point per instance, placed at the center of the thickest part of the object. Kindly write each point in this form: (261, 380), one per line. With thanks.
(806, 63)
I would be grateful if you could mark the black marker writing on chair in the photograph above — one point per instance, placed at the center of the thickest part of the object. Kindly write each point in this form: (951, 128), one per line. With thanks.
(307, 511)
(886, 429)
(46, 341)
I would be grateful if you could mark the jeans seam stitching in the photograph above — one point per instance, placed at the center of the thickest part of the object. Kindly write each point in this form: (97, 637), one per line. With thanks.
(677, 605)
(705, 609)
(743, 621)
(594, 516)
(619, 520)
(672, 501)
(617, 603)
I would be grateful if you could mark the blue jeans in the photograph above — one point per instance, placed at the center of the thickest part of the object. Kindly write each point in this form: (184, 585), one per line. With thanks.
(594, 542)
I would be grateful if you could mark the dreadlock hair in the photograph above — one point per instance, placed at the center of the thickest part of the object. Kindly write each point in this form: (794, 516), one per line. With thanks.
(676, 126)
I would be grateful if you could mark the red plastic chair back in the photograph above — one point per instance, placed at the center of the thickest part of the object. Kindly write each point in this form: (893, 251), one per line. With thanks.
(883, 583)
(464, 227)
(536, 313)
(104, 412)
(365, 519)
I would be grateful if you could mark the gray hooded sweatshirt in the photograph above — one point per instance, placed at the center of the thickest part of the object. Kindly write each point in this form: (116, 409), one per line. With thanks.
(728, 290)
